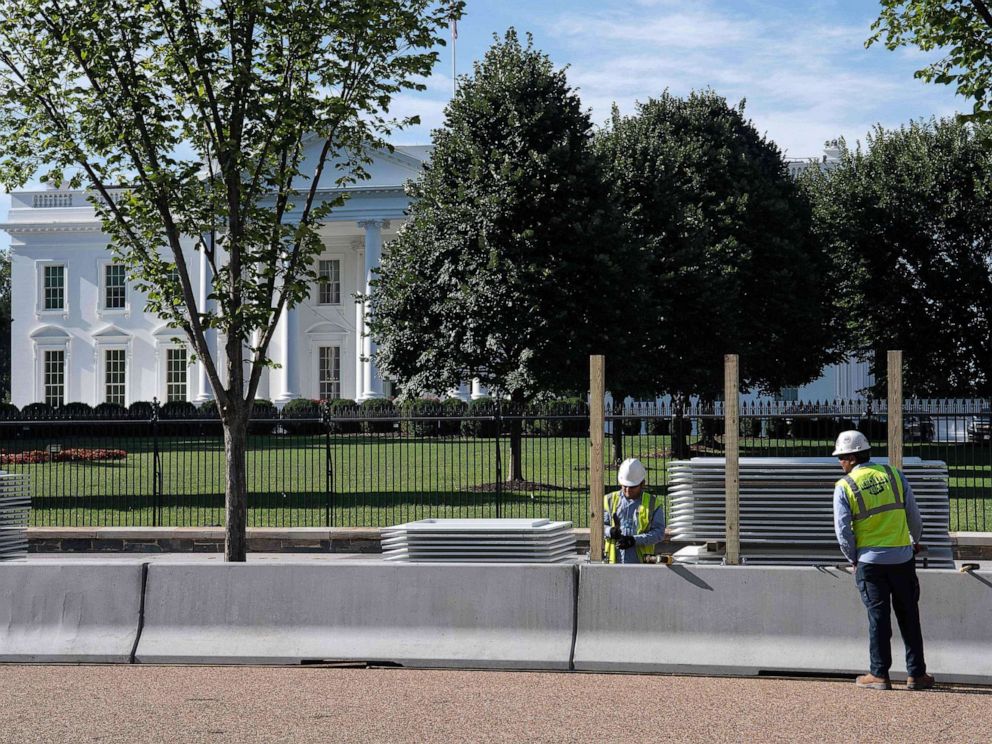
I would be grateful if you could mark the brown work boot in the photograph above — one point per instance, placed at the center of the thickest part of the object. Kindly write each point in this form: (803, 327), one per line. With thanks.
(873, 683)
(923, 682)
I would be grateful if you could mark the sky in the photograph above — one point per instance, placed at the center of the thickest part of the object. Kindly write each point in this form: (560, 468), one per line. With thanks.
(800, 65)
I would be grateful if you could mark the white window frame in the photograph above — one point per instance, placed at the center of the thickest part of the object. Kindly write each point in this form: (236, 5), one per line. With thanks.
(100, 394)
(42, 350)
(164, 372)
(310, 373)
(340, 380)
(40, 309)
(101, 305)
(339, 257)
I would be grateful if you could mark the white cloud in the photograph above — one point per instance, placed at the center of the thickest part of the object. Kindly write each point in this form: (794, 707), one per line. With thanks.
(806, 78)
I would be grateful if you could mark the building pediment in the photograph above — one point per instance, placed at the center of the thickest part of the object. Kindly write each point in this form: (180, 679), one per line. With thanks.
(386, 170)
(49, 333)
(325, 328)
(111, 334)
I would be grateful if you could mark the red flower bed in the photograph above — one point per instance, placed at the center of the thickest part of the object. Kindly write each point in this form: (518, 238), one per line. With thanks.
(33, 457)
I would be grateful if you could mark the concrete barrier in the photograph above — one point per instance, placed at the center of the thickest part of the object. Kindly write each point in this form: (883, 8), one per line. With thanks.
(57, 612)
(476, 616)
(748, 621)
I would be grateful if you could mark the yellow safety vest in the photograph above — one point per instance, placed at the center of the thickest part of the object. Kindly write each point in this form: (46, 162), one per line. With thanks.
(878, 507)
(644, 511)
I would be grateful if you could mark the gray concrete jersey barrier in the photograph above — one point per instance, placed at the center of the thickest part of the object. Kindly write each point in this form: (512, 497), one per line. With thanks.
(699, 620)
(467, 615)
(69, 612)
(769, 620)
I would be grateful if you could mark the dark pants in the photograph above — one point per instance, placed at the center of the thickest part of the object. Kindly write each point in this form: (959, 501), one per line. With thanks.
(884, 588)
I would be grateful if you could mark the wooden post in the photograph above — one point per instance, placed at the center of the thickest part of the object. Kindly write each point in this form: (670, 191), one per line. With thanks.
(597, 421)
(895, 408)
(731, 436)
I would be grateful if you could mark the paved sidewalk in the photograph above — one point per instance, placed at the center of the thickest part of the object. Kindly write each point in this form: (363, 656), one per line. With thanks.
(235, 705)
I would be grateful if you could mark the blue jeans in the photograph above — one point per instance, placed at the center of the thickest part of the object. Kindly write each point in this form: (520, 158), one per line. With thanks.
(884, 588)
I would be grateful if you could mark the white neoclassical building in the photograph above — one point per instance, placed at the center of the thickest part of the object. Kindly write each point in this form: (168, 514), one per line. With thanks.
(80, 331)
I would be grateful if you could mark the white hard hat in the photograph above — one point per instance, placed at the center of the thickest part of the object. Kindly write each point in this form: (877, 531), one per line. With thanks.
(631, 472)
(850, 442)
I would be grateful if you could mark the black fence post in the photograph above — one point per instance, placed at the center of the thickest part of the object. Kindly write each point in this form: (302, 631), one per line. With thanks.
(156, 469)
(499, 462)
(325, 414)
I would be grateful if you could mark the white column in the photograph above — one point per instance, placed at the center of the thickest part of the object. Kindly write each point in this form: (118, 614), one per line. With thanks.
(478, 391)
(289, 356)
(206, 391)
(371, 379)
(359, 325)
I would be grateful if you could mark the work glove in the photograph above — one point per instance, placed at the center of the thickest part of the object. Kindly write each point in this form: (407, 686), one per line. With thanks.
(615, 529)
(626, 541)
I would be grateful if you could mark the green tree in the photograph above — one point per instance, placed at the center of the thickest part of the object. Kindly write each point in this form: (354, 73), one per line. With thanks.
(508, 270)
(726, 258)
(908, 220)
(5, 319)
(201, 112)
(960, 29)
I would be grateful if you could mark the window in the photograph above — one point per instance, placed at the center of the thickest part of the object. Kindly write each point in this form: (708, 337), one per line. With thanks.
(789, 394)
(115, 374)
(175, 374)
(114, 287)
(329, 372)
(329, 282)
(55, 377)
(54, 287)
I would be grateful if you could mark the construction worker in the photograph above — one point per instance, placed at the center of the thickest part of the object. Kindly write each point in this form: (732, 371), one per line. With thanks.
(878, 527)
(633, 521)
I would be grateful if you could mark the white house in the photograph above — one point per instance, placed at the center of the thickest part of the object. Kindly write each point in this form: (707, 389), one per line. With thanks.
(80, 332)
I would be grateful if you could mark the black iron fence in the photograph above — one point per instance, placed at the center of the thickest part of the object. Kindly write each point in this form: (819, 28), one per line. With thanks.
(359, 467)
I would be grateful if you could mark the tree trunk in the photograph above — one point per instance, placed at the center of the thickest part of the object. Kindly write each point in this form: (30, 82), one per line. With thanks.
(516, 442)
(236, 487)
(616, 435)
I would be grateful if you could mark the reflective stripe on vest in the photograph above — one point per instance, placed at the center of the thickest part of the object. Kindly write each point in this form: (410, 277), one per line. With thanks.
(878, 508)
(644, 512)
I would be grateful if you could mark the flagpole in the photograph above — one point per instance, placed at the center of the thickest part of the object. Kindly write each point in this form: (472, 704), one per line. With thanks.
(454, 54)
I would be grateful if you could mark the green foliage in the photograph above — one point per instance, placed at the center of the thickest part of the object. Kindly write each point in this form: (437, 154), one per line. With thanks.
(192, 121)
(508, 268)
(960, 29)
(9, 412)
(140, 409)
(908, 221)
(302, 416)
(37, 411)
(452, 407)
(110, 411)
(550, 426)
(725, 260)
(262, 409)
(344, 407)
(419, 408)
(78, 410)
(480, 407)
(379, 416)
(659, 426)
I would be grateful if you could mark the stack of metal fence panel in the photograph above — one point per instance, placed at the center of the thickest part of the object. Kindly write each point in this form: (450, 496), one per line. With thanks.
(786, 507)
(480, 541)
(15, 503)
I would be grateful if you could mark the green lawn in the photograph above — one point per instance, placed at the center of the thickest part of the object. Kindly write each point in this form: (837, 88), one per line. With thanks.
(377, 480)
